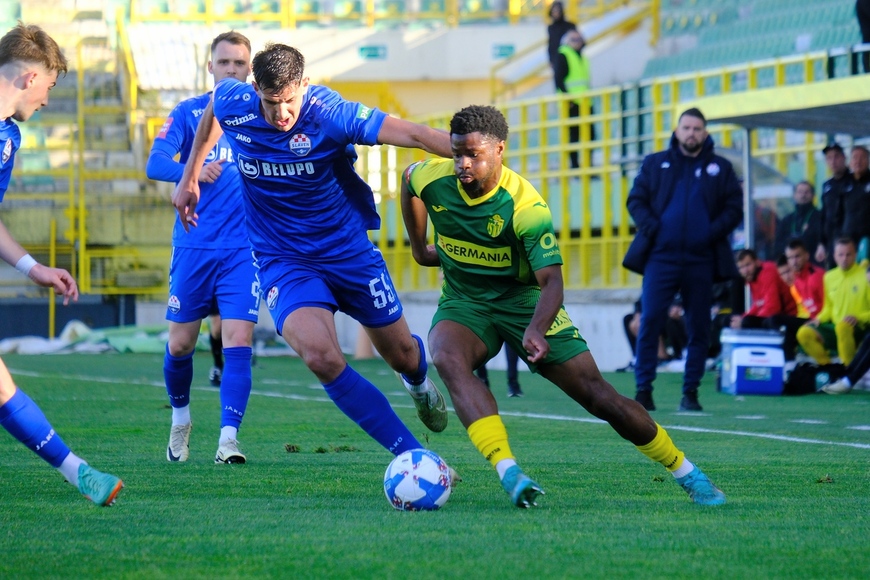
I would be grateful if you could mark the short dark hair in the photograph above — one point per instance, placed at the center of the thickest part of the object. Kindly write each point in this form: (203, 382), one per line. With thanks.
(742, 254)
(233, 37)
(845, 241)
(483, 119)
(694, 112)
(861, 148)
(808, 183)
(796, 244)
(278, 66)
(781, 261)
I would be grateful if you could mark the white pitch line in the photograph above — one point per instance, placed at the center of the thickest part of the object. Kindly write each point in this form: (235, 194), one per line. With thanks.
(690, 429)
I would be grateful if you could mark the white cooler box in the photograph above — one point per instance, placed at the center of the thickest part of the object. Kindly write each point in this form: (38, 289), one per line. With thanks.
(752, 362)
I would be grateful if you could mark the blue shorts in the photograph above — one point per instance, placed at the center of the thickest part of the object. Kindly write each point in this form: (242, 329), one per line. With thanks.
(359, 286)
(200, 279)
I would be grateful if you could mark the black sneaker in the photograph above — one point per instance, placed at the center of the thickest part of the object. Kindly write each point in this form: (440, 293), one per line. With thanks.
(629, 368)
(645, 399)
(514, 391)
(690, 403)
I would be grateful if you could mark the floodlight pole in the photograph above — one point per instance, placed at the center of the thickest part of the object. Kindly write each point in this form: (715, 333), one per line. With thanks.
(748, 205)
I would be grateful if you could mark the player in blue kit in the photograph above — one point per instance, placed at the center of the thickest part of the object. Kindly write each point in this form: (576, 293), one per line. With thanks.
(308, 213)
(211, 264)
(30, 62)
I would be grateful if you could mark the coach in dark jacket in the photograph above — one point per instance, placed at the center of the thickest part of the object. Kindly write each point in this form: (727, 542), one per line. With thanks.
(685, 202)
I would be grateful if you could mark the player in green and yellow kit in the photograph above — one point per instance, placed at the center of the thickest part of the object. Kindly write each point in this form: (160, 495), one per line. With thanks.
(495, 242)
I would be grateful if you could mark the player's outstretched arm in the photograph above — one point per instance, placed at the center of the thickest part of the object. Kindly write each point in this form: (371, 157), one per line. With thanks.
(186, 194)
(416, 221)
(57, 278)
(403, 133)
(552, 298)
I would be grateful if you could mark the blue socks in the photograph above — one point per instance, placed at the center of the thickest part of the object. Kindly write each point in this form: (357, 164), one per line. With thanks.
(27, 423)
(419, 375)
(235, 385)
(178, 374)
(368, 407)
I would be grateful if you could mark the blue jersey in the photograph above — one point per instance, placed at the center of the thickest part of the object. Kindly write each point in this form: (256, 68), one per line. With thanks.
(10, 141)
(221, 221)
(303, 198)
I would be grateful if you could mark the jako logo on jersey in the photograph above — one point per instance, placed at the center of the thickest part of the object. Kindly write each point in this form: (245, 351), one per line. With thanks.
(363, 112)
(245, 138)
(174, 304)
(163, 130)
(300, 144)
(495, 225)
(272, 298)
(240, 120)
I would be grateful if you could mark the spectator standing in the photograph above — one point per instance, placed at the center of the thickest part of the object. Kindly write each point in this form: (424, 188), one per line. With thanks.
(571, 72)
(844, 318)
(856, 205)
(862, 12)
(805, 222)
(833, 192)
(512, 359)
(685, 201)
(557, 29)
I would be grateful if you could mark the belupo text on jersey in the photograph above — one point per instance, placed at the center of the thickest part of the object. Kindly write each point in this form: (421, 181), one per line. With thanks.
(254, 168)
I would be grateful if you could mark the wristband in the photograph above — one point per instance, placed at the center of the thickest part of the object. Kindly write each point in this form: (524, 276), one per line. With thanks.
(25, 264)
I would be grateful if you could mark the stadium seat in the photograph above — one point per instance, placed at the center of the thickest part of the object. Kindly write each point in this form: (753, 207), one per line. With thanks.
(186, 8)
(227, 7)
(153, 7)
(347, 9)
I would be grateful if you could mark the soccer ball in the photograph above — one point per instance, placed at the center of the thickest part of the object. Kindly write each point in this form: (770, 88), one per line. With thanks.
(417, 480)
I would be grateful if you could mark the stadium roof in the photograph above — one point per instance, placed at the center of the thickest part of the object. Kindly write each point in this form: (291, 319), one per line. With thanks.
(835, 106)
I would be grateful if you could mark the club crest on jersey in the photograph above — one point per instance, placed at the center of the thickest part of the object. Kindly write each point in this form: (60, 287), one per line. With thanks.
(272, 298)
(174, 304)
(495, 225)
(7, 151)
(300, 144)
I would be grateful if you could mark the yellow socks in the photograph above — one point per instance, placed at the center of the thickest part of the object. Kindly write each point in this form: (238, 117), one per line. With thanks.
(662, 450)
(490, 437)
(813, 344)
(846, 347)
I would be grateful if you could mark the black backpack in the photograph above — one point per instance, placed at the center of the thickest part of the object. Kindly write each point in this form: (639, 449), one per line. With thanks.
(808, 378)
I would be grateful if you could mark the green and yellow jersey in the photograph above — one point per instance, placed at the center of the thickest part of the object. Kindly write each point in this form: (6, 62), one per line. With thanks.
(490, 246)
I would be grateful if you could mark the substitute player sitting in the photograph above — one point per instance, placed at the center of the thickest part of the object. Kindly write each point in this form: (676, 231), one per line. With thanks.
(503, 283)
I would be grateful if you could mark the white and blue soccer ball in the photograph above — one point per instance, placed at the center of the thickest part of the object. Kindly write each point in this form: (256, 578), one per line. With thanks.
(417, 480)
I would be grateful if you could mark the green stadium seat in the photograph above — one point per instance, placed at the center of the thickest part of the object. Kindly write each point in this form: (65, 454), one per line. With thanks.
(153, 7)
(227, 7)
(265, 7)
(307, 7)
(389, 8)
(347, 9)
(186, 8)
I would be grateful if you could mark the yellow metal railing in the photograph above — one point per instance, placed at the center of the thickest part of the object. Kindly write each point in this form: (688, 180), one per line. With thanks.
(294, 13)
(588, 203)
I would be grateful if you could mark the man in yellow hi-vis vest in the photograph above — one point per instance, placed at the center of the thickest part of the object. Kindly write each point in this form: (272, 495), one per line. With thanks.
(571, 73)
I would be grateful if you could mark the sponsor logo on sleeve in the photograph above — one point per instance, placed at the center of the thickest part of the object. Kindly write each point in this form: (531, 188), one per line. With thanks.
(363, 112)
(165, 128)
(7, 151)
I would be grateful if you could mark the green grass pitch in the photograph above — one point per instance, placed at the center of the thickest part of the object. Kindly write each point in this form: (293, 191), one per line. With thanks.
(796, 472)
